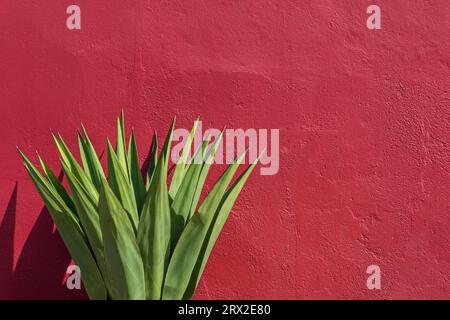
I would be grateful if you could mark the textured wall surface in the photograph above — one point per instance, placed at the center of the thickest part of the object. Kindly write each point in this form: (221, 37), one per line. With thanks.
(364, 119)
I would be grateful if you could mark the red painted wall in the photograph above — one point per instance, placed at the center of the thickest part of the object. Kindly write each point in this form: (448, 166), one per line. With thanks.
(364, 119)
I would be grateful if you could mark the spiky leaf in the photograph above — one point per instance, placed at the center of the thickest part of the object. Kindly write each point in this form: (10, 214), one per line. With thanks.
(180, 168)
(154, 227)
(121, 151)
(194, 238)
(121, 186)
(123, 259)
(69, 228)
(134, 172)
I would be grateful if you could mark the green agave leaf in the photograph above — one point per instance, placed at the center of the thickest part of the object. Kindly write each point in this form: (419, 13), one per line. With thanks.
(181, 205)
(120, 144)
(121, 186)
(82, 147)
(123, 259)
(69, 228)
(92, 157)
(154, 228)
(220, 218)
(76, 169)
(180, 167)
(198, 156)
(153, 160)
(188, 250)
(89, 219)
(208, 160)
(135, 173)
(64, 151)
(168, 143)
(57, 185)
(91, 163)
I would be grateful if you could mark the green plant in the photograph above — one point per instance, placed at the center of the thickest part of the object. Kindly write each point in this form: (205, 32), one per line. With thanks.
(135, 237)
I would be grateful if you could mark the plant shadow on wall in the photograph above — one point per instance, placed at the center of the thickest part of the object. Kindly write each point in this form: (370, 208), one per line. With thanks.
(39, 271)
(135, 235)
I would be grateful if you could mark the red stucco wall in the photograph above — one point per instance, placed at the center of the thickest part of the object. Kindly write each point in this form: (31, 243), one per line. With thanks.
(364, 119)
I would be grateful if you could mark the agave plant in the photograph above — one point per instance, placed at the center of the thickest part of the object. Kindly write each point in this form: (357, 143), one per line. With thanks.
(135, 236)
